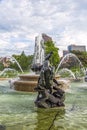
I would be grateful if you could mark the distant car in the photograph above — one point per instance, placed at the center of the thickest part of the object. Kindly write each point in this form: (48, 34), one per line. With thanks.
(86, 78)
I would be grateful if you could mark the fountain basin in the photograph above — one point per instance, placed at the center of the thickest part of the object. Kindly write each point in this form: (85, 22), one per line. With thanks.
(29, 82)
(29, 77)
(25, 85)
(18, 111)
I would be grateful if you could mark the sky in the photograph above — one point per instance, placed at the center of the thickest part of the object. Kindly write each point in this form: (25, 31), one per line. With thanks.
(22, 20)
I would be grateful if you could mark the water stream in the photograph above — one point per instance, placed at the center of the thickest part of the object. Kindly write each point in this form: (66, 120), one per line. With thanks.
(12, 59)
(18, 112)
(66, 59)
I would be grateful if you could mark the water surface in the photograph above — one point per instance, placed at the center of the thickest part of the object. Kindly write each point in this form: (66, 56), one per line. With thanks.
(18, 111)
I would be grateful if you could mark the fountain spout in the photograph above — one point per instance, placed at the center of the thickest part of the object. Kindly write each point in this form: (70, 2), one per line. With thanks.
(66, 58)
(14, 60)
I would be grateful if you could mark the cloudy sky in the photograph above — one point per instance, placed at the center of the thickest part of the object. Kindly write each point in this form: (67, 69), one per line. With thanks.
(21, 20)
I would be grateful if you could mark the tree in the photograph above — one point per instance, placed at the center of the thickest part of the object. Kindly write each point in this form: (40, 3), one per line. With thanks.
(24, 61)
(30, 60)
(1, 66)
(50, 46)
(82, 56)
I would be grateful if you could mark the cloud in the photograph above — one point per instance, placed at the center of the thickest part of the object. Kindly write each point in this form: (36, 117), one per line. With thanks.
(22, 20)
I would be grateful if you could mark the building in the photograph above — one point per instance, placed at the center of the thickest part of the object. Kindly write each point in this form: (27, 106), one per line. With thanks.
(65, 52)
(39, 53)
(76, 48)
(46, 38)
(5, 61)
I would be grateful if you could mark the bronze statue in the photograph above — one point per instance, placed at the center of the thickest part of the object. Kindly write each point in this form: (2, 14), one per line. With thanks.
(49, 95)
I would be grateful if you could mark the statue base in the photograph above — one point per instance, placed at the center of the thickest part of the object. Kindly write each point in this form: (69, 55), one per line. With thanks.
(45, 99)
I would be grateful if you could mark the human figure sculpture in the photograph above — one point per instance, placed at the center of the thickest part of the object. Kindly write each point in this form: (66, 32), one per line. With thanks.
(49, 94)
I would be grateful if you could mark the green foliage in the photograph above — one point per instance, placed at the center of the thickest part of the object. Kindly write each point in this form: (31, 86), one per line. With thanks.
(30, 59)
(24, 61)
(9, 74)
(82, 57)
(1, 66)
(50, 46)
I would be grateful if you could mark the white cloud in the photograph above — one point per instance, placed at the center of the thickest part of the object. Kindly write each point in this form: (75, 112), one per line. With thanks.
(22, 20)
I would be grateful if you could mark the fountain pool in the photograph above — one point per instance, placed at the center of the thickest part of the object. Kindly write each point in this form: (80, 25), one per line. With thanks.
(18, 112)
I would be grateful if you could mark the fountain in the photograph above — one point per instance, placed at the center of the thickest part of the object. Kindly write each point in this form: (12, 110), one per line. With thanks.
(18, 111)
(65, 60)
(66, 70)
(85, 78)
(29, 82)
(4, 72)
(49, 93)
(12, 59)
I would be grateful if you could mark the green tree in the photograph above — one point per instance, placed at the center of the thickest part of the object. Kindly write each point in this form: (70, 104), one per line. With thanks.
(24, 61)
(82, 56)
(50, 46)
(1, 66)
(30, 60)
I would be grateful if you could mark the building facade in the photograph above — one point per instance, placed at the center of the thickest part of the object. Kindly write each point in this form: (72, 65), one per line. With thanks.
(65, 52)
(76, 48)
